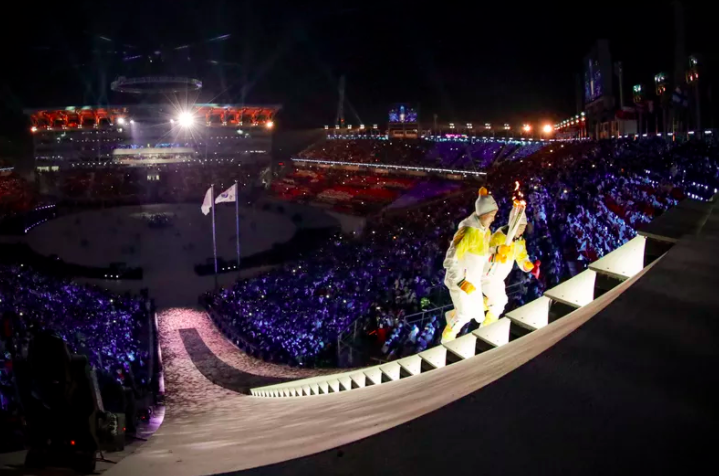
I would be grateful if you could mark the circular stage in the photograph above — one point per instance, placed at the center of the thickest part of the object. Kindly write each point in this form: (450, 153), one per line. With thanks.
(168, 240)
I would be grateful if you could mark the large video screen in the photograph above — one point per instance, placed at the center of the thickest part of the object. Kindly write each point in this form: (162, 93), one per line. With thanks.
(402, 113)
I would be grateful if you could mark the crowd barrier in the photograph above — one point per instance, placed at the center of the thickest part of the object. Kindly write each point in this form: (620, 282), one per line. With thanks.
(557, 302)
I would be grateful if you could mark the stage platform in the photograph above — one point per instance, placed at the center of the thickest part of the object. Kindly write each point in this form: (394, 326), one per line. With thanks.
(624, 385)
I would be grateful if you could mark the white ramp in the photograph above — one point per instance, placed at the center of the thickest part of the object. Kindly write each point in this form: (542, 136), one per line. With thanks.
(463, 347)
(315, 389)
(533, 315)
(577, 291)
(625, 261)
(334, 385)
(412, 364)
(324, 387)
(436, 356)
(496, 334)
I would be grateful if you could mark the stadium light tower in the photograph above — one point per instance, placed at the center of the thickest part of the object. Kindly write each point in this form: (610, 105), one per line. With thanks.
(527, 128)
(547, 129)
(121, 121)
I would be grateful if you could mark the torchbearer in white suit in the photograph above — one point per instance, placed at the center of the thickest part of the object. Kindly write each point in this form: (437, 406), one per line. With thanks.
(508, 247)
(464, 264)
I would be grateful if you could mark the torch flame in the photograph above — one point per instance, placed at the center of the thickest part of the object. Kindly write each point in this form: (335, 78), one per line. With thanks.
(516, 185)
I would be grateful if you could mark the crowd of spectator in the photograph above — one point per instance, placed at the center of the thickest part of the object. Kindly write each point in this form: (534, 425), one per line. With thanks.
(470, 154)
(111, 330)
(180, 182)
(16, 194)
(584, 200)
(344, 190)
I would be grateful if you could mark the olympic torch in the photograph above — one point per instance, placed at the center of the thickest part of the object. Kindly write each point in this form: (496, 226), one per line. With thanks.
(515, 217)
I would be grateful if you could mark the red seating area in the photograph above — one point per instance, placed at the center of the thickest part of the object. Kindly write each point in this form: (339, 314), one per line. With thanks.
(345, 190)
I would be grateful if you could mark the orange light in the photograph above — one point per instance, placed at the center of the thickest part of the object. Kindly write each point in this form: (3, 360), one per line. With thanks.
(72, 442)
(527, 128)
(547, 128)
(270, 124)
(33, 129)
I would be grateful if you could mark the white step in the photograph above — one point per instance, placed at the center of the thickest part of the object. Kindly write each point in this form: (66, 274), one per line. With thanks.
(374, 374)
(463, 347)
(412, 364)
(315, 389)
(436, 356)
(391, 370)
(625, 261)
(346, 382)
(533, 315)
(334, 385)
(359, 378)
(324, 387)
(495, 334)
(577, 291)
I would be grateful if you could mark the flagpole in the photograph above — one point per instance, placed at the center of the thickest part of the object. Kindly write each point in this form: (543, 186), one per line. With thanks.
(237, 221)
(214, 235)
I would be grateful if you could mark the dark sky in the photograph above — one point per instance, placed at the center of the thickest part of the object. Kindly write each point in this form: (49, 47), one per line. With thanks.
(465, 61)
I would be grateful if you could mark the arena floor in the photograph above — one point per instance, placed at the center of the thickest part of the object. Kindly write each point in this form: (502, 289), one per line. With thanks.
(169, 254)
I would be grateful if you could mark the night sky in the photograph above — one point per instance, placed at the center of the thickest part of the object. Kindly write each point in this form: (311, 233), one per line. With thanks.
(490, 62)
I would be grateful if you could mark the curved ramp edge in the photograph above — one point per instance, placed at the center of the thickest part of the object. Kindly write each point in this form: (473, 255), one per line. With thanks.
(245, 432)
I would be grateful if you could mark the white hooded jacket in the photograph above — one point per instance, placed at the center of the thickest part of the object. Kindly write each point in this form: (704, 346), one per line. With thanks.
(468, 253)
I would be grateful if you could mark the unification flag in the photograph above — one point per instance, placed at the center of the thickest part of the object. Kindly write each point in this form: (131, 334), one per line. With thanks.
(207, 202)
(228, 195)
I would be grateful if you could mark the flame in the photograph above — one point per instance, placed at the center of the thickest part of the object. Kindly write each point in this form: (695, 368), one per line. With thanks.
(516, 185)
(519, 203)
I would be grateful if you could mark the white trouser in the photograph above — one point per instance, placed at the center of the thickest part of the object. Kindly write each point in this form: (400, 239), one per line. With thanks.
(466, 308)
(496, 292)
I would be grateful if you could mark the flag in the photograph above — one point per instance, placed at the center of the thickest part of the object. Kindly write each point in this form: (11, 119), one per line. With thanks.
(228, 195)
(207, 202)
